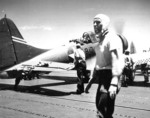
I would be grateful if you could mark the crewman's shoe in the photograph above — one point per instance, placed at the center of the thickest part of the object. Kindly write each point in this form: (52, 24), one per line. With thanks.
(79, 92)
(99, 115)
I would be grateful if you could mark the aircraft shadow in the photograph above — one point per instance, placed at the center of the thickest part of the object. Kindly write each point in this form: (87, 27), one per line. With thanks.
(140, 84)
(64, 78)
(37, 89)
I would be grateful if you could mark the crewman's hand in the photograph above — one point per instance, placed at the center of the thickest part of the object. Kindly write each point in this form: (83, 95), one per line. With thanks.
(102, 36)
(112, 91)
(113, 87)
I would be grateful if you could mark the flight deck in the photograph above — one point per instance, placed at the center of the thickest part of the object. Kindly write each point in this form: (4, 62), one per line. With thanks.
(50, 97)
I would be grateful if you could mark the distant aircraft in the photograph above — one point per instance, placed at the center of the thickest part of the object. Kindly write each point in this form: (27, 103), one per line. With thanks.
(16, 55)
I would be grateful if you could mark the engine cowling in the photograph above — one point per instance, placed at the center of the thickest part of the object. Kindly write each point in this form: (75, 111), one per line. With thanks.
(124, 42)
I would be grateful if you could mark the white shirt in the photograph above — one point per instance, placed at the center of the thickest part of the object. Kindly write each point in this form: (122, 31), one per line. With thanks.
(103, 51)
(79, 53)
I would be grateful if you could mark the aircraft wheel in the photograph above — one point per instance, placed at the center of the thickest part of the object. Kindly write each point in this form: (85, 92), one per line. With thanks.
(131, 76)
(124, 81)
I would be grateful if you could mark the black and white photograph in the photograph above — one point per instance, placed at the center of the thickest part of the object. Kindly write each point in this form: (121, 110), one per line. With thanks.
(74, 58)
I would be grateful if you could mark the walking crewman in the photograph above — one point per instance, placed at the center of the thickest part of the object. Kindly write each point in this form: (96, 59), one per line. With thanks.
(80, 66)
(109, 65)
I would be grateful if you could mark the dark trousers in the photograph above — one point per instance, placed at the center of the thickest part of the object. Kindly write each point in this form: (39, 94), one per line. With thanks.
(82, 75)
(104, 104)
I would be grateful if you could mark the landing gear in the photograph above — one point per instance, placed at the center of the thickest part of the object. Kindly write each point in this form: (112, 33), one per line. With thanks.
(144, 70)
(127, 77)
(17, 81)
(19, 76)
(146, 77)
(24, 75)
(131, 76)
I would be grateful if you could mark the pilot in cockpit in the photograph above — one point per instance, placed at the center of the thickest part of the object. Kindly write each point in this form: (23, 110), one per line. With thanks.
(86, 38)
(89, 37)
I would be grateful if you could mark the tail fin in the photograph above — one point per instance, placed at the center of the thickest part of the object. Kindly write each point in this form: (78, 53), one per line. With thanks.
(13, 48)
(7, 51)
(132, 48)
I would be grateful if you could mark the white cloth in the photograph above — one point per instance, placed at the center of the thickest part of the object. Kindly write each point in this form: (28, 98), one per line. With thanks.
(79, 53)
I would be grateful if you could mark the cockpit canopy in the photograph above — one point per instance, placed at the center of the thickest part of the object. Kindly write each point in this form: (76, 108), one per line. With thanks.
(87, 37)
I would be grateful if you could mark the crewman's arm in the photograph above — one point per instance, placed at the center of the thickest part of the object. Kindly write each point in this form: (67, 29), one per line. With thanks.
(116, 72)
(75, 55)
(92, 80)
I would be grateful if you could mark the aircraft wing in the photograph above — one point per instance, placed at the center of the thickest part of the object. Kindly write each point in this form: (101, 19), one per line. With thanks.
(140, 58)
(43, 67)
(54, 66)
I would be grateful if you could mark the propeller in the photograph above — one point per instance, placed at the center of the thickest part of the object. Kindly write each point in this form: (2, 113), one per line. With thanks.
(119, 26)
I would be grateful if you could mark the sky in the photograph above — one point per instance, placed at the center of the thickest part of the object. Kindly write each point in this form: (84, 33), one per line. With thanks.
(51, 23)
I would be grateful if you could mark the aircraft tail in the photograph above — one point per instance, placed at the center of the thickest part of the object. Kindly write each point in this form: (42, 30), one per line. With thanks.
(132, 48)
(13, 48)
